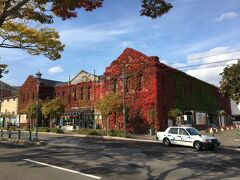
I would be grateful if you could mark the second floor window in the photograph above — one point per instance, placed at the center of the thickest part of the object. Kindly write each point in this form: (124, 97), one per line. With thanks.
(82, 93)
(89, 93)
(115, 85)
(140, 82)
(75, 94)
(126, 84)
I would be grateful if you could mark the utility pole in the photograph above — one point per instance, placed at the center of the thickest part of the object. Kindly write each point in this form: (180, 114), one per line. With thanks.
(124, 104)
(94, 99)
(38, 76)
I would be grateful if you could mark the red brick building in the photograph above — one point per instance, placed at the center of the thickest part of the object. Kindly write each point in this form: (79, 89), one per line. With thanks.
(152, 89)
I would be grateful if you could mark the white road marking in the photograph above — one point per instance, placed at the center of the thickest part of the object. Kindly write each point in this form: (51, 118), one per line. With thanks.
(64, 169)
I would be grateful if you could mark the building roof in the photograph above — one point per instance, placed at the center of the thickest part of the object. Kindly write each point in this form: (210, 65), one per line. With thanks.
(50, 83)
(10, 97)
(6, 85)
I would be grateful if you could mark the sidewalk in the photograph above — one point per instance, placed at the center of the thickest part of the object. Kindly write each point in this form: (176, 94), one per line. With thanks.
(229, 138)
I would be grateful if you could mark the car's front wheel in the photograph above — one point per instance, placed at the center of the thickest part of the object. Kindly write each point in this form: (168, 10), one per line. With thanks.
(166, 142)
(197, 145)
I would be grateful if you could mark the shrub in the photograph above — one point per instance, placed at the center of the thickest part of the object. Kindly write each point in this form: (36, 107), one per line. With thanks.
(96, 132)
(43, 129)
(116, 132)
(56, 130)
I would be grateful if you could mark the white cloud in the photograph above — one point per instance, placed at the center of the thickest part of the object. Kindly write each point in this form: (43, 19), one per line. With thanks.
(92, 34)
(226, 16)
(211, 75)
(55, 70)
(127, 43)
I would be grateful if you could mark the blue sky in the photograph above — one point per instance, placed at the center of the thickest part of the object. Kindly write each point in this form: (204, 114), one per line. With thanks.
(192, 28)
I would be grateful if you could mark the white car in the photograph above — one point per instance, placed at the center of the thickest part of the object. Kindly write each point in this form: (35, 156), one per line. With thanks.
(187, 136)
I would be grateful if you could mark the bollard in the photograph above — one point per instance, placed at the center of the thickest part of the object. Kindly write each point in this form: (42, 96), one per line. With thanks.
(2, 132)
(9, 134)
(30, 135)
(19, 134)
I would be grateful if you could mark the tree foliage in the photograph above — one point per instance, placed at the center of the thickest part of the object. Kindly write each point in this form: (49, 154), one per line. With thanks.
(31, 110)
(23, 22)
(111, 103)
(174, 113)
(230, 83)
(52, 108)
(3, 70)
(155, 8)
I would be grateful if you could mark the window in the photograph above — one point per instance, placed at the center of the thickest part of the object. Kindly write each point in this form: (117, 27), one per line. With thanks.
(173, 131)
(82, 93)
(193, 131)
(115, 85)
(33, 96)
(89, 93)
(184, 88)
(126, 84)
(182, 131)
(200, 91)
(191, 89)
(175, 84)
(63, 94)
(163, 82)
(75, 94)
(140, 82)
(23, 99)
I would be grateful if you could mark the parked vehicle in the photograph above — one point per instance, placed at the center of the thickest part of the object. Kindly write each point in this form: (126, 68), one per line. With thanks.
(187, 136)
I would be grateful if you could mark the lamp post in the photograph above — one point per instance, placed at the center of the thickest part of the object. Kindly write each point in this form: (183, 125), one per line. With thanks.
(124, 76)
(38, 76)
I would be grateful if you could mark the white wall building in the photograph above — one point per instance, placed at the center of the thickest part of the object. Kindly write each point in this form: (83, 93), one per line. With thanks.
(235, 110)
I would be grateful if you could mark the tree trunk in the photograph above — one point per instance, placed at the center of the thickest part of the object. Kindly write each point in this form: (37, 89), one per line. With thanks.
(50, 121)
(107, 125)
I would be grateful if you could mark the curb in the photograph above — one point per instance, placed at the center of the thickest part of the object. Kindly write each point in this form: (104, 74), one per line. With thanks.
(101, 137)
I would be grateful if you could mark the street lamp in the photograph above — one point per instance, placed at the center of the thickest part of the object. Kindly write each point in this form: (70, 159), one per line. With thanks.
(124, 76)
(38, 76)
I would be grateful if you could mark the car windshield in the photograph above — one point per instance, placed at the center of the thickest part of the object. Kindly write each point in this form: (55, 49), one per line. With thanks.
(193, 131)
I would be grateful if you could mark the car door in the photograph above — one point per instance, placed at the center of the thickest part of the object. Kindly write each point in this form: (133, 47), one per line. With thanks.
(172, 134)
(184, 138)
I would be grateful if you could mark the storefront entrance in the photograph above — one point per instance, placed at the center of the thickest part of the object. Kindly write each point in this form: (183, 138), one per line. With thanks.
(77, 119)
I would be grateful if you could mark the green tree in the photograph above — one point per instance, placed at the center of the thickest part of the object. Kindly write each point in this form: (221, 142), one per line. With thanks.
(230, 83)
(3, 69)
(110, 104)
(23, 22)
(176, 115)
(52, 109)
(30, 110)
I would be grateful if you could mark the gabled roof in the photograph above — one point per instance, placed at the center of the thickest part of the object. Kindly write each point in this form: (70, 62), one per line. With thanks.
(6, 85)
(49, 83)
(84, 76)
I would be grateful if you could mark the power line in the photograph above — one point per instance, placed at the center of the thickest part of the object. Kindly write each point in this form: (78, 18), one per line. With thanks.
(192, 59)
(214, 62)
(208, 67)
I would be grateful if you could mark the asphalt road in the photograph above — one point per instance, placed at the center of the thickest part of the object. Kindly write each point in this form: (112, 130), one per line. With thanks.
(86, 158)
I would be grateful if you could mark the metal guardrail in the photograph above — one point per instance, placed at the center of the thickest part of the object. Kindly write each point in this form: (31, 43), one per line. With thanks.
(15, 134)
